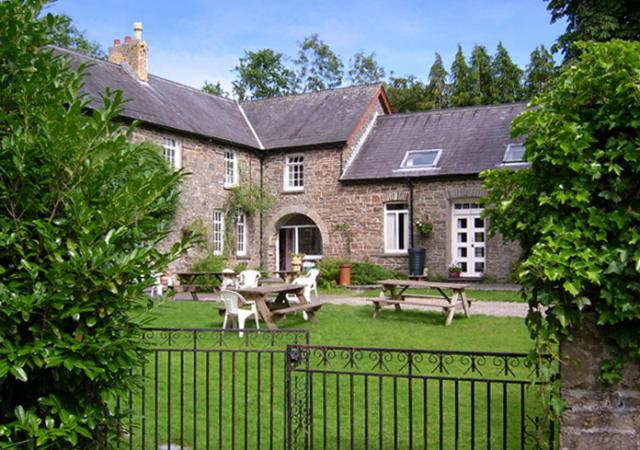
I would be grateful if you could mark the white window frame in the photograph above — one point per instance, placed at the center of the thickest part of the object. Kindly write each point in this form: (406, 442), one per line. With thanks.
(288, 174)
(172, 151)
(508, 152)
(241, 234)
(396, 213)
(230, 168)
(218, 232)
(404, 166)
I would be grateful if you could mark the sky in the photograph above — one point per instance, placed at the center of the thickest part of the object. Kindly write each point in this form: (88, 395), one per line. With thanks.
(191, 41)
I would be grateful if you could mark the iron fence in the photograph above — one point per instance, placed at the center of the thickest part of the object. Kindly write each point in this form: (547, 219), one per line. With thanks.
(360, 398)
(209, 389)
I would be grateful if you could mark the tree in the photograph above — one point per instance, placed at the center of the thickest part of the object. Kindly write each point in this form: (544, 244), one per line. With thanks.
(540, 71)
(576, 210)
(64, 34)
(364, 69)
(507, 77)
(461, 94)
(82, 210)
(214, 89)
(437, 88)
(318, 67)
(482, 83)
(407, 94)
(598, 21)
(263, 74)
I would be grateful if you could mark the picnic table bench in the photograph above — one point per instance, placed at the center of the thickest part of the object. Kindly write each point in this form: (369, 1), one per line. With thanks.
(398, 297)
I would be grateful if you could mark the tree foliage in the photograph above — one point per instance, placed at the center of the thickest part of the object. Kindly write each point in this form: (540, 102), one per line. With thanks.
(540, 71)
(263, 74)
(600, 21)
(407, 94)
(364, 69)
(81, 213)
(483, 85)
(461, 83)
(507, 77)
(576, 210)
(64, 34)
(319, 67)
(214, 89)
(437, 89)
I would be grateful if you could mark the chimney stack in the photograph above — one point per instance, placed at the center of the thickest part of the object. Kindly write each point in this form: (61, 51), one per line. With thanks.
(134, 52)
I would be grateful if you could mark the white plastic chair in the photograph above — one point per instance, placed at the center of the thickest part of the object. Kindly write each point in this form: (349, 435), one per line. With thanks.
(292, 298)
(233, 303)
(312, 276)
(248, 278)
(163, 282)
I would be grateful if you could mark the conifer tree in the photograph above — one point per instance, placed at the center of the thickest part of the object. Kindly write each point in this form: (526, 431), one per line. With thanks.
(540, 71)
(437, 88)
(461, 94)
(482, 83)
(507, 77)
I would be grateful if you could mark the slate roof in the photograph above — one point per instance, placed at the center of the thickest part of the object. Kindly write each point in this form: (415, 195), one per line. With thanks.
(166, 103)
(309, 119)
(472, 139)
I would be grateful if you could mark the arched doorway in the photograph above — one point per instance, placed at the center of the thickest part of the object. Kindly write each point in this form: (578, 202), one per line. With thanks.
(297, 233)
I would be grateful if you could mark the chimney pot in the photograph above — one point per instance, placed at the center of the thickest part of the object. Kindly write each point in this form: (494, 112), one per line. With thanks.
(116, 42)
(137, 29)
(127, 39)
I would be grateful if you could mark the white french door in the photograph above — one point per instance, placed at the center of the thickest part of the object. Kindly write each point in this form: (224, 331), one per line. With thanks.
(468, 239)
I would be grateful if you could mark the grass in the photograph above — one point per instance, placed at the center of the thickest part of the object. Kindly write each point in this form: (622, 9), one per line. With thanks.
(222, 398)
(482, 295)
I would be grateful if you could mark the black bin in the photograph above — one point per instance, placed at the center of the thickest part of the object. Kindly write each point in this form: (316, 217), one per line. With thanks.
(417, 256)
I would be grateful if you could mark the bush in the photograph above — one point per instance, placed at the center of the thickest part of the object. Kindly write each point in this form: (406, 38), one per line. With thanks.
(81, 213)
(362, 273)
(209, 263)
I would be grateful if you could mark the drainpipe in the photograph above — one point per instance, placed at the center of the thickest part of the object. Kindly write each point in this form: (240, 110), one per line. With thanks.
(261, 212)
(410, 212)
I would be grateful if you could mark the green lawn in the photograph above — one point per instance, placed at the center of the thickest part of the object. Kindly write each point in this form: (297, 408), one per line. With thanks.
(222, 398)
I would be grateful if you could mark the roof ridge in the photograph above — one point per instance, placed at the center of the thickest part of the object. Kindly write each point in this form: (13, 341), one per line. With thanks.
(457, 108)
(300, 94)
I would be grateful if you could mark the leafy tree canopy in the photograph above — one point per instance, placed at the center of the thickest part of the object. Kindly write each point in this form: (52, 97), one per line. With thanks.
(461, 83)
(82, 211)
(437, 89)
(589, 20)
(364, 69)
(507, 77)
(576, 210)
(215, 89)
(263, 74)
(407, 94)
(540, 71)
(318, 67)
(482, 82)
(64, 34)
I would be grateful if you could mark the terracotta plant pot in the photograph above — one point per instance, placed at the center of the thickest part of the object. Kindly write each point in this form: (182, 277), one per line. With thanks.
(345, 275)
(454, 274)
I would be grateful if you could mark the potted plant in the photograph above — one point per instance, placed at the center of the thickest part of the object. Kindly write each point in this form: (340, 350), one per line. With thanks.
(424, 228)
(454, 271)
(296, 261)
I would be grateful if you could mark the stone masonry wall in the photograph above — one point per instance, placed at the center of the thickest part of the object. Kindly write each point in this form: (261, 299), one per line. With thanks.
(597, 416)
(203, 191)
(361, 205)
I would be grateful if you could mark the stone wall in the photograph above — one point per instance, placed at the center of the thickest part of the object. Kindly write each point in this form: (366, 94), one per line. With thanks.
(203, 191)
(597, 416)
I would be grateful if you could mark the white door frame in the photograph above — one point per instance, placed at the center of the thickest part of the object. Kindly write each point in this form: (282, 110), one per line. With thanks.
(468, 238)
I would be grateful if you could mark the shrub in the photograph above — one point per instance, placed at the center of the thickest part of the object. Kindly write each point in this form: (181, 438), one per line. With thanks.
(362, 273)
(209, 263)
(81, 213)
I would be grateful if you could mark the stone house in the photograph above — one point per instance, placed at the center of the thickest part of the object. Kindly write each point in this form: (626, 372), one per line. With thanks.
(348, 177)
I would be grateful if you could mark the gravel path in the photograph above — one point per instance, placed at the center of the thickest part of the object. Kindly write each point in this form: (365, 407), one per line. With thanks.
(488, 308)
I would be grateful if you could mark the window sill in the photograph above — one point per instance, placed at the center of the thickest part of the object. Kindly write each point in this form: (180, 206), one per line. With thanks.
(229, 186)
(243, 257)
(292, 191)
(392, 255)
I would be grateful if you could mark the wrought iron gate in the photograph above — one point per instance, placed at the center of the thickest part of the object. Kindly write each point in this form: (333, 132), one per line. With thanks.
(359, 398)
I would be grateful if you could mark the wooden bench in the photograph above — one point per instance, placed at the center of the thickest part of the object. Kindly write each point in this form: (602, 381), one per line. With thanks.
(379, 303)
(309, 308)
(431, 297)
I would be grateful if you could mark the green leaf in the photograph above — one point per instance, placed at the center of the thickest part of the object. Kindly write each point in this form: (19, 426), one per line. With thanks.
(19, 373)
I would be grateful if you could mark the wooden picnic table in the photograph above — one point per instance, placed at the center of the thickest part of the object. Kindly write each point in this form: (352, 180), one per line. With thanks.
(188, 284)
(273, 311)
(397, 296)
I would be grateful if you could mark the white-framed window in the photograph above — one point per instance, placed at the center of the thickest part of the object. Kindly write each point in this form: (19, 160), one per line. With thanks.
(241, 234)
(230, 169)
(514, 154)
(294, 173)
(172, 152)
(396, 227)
(421, 159)
(218, 232)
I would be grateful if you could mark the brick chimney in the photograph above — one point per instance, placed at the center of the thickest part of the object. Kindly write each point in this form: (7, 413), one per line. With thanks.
(134, 52)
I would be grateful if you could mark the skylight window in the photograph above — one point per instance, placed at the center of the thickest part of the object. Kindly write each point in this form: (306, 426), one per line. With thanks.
(420, 159)
(514, 154)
